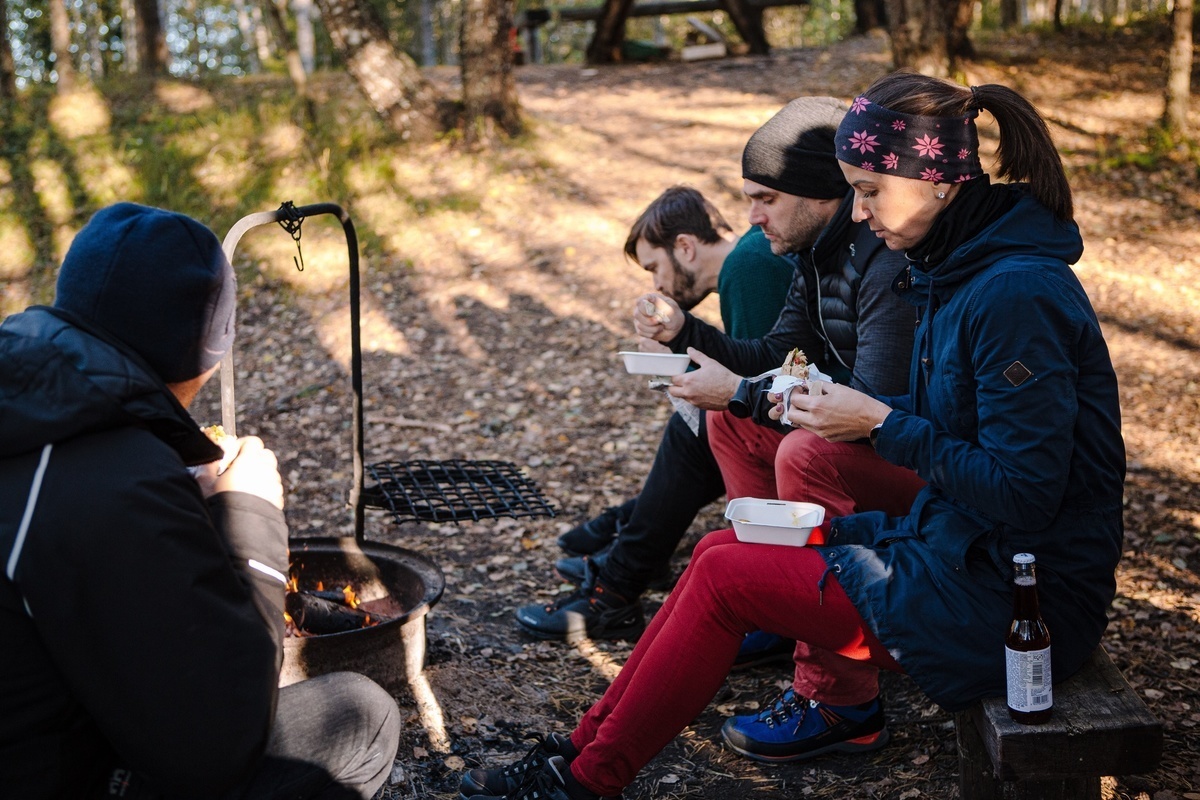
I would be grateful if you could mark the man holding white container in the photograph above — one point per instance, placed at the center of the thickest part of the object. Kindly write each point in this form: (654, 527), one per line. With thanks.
(690, 250)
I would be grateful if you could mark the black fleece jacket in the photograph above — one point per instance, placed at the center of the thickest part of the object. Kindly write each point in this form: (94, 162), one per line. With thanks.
(140, 627)
(841, 311)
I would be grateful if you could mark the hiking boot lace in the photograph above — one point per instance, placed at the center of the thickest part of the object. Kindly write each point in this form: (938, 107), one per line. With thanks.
(788, 705)
(539, 784)
(532, 760)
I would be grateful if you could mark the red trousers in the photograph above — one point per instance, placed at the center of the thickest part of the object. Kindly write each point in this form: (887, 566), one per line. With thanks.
(843, 477)
(729, 589)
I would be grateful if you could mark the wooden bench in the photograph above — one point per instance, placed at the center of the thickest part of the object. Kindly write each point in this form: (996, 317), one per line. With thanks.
(1100, 727)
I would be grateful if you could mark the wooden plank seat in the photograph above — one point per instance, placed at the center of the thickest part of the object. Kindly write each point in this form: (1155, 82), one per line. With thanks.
(1100, 727)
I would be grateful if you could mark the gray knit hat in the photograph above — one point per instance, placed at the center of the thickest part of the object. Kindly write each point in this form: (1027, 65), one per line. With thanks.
(793, 152)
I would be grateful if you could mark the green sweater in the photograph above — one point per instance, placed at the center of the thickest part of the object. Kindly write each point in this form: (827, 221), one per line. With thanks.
(752, 286)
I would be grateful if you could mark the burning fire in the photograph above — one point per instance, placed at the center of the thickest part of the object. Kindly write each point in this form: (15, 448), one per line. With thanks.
(345, 598)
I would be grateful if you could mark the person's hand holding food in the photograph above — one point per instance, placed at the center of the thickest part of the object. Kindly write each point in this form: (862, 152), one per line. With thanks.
(710, 386)
(247, 466)
(834, 412)
(657, 317)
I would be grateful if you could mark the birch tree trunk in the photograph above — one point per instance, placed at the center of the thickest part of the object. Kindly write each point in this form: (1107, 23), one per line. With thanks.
(489, 92)
(306, 38)
(1179, 69)
(390, 80)
(60, 43)
(273, 11)
(247, 27)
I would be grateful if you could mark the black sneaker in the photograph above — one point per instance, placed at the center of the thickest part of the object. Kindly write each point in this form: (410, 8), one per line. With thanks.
(550, 781)
(592, 611)
(573, 570)
(596, 534)
(502, 780)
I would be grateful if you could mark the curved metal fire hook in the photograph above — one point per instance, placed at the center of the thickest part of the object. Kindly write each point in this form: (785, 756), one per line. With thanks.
(294, 215)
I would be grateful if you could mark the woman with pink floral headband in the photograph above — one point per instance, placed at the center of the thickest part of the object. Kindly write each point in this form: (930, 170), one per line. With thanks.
(1011, 417)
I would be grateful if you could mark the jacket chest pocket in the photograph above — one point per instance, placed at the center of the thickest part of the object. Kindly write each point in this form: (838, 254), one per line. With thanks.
(953, 400)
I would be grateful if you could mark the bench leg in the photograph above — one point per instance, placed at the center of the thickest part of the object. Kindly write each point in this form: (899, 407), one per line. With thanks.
(977, 780)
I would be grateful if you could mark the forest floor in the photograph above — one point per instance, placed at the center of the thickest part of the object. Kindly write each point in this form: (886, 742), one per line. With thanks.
(492, 317)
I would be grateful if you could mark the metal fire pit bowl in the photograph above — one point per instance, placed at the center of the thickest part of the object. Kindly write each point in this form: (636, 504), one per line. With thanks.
(391, 653)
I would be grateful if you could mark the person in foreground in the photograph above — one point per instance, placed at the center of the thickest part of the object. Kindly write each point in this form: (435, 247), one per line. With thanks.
(141, 604)
(1012, 417)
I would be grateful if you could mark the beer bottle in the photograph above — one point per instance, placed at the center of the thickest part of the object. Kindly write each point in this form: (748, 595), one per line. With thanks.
(1027, 649)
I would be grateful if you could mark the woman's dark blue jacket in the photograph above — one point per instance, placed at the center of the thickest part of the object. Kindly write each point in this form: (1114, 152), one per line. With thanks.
(1012, 417)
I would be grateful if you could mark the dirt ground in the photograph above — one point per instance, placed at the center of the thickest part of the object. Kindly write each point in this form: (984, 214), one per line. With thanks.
(497, 337)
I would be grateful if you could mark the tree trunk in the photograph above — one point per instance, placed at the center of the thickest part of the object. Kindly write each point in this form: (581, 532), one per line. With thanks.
(247, 28)
(929, 36)
(749, 25)
(489, 92)
(1179, 69)
(869, 15)
(306, 38)
(1010, 14)
(959, 14)
(609, 39)
(129, 35)
(8, 69)
(151, 43)
(428, 43)
(273, 11)
(92, 26)
(390, 80)
(60, 44)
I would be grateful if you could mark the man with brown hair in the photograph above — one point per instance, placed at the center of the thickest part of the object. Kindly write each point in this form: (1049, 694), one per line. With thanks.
(691, 251)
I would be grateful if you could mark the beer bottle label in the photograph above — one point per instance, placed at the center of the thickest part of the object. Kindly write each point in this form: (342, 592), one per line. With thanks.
(1029, 687)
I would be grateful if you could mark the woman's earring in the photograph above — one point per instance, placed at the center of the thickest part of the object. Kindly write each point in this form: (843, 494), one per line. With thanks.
(941, 195)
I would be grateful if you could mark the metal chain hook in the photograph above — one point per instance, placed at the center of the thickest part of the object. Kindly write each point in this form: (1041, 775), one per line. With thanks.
(291, 223)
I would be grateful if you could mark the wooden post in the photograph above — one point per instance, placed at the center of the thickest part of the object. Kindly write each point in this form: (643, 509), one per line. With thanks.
(748, 22)
(609, 39)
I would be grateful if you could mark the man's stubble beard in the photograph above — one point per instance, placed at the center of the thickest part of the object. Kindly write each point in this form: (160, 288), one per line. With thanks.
(801, 233)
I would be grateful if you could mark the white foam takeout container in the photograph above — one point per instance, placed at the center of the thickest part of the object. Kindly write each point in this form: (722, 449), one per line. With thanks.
(773, 521)
(655, 363)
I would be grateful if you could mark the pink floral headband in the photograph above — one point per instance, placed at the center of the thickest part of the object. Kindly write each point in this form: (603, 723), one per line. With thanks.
(935, 149)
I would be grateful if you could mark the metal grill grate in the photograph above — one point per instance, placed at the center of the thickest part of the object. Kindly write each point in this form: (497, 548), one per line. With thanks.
(453, 491)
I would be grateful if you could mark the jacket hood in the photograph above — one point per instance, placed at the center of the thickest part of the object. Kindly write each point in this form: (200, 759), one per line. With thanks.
(1028, 229)
(61, 378)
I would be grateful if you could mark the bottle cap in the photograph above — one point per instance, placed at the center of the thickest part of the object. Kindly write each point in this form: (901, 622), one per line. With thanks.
(1024, 558)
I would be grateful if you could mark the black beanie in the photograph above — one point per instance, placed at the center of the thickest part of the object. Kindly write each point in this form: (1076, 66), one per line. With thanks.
(156, 280)
(793, 151)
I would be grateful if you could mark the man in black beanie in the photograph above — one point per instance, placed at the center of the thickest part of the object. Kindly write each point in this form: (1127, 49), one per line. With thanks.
(141, 605)
(840, 311)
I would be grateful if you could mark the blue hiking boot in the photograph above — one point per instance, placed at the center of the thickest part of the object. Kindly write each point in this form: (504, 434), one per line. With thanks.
(760, 647)
(794, 728)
